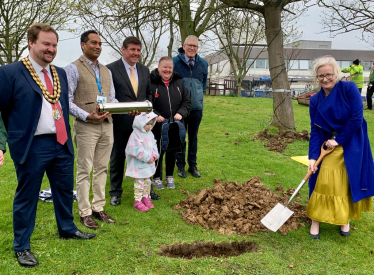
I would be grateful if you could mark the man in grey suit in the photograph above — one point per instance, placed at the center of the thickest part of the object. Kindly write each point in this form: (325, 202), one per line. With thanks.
(131, 83)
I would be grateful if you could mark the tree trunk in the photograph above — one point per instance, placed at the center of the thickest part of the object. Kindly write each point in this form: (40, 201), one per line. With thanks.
(185, 22)
(282, 102)
(171, 39)
(239, 86)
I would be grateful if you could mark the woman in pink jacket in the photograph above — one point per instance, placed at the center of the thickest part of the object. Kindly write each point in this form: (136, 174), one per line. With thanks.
(141, 154)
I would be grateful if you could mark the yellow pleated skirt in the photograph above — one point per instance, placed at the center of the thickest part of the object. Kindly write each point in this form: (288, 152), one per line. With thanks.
(331, 201)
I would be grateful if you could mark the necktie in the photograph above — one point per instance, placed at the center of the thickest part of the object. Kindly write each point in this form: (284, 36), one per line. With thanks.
(61, 134)
(190, 63)
(134, 82)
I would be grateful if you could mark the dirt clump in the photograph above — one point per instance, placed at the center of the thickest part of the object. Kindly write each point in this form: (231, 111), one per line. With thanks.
(201, 249)
(278, 142)
(232, 208)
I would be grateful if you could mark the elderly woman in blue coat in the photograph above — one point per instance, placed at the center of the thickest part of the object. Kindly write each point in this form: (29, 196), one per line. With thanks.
(341, 188)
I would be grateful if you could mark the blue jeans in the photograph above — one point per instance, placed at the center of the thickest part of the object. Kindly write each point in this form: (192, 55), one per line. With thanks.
(192, 123)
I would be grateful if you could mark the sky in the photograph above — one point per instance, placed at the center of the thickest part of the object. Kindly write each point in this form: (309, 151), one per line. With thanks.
(69, 50)
(69, 47)
(309, 23)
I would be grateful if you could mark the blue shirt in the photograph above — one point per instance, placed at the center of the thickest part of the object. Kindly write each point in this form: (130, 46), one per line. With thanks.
(188, 60)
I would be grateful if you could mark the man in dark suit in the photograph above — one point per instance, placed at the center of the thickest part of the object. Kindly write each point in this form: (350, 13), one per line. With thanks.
(131, 83)
(35, 109)
(3, 138)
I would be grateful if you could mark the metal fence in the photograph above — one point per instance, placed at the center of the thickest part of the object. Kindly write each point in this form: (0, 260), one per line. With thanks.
(229, 88)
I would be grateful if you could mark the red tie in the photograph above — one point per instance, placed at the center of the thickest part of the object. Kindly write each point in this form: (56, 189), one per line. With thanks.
(62, 137)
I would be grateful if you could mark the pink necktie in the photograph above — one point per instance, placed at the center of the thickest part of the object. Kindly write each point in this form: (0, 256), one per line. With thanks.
(62, 137)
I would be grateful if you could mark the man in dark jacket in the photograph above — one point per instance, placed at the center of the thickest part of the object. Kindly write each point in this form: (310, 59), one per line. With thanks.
(3, 137)
(370, 89)
(131, 83)
(194, 71)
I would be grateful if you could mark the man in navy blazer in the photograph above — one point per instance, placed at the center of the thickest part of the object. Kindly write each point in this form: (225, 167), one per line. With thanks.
(122, 123)
(30, 116)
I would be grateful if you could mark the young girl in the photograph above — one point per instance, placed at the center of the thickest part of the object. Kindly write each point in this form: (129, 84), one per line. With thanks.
(141, 154)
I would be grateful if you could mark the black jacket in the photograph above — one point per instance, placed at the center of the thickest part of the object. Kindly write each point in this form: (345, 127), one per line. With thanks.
(176, 97)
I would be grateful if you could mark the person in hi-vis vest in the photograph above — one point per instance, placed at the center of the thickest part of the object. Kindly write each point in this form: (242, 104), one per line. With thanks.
(356, 74)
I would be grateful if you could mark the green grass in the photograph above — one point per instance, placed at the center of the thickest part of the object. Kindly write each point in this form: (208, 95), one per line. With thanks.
(227, 150)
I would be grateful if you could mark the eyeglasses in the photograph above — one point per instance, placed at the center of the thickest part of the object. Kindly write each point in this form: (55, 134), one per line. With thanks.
(322, 76)
(192, 46)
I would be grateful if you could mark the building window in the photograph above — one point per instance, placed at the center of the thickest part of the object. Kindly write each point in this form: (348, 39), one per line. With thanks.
(249, 62)
(294, 64)
(366, 65)
(260, 64)
(215, 68)
(346, 64)
(304, 64)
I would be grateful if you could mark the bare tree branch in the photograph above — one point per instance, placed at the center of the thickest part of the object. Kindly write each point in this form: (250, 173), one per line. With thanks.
(238, 31)
(115, 20)
(18, 15)
(342, 16)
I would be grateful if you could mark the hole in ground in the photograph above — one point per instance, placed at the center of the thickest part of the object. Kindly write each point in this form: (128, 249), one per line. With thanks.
(201, 249)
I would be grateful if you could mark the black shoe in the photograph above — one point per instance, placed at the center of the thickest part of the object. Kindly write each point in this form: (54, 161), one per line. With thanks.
(26, 258)
(344, 234)
(182, 173)
(153, 195)
(194, 172)
(115, 200)
(81, 235)
(316, 236)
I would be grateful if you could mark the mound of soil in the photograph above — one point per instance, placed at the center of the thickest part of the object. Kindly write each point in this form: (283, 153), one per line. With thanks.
(278, 142)
(201, 249)
(238, 208)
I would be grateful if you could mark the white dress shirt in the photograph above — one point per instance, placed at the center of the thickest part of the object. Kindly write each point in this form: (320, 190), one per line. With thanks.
(127, 66)
(46, 124)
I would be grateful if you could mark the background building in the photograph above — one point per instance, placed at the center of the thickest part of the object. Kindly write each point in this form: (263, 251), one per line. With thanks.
(299, 57)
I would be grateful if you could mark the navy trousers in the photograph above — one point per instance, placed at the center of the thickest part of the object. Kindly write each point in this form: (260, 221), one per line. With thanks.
(192, 123)
(117, 160)
(369, 95)
(46, 155)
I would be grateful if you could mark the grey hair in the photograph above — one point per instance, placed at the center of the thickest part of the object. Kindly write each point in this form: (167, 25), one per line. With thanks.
(327, 60)
(165, 58)
(191, 37)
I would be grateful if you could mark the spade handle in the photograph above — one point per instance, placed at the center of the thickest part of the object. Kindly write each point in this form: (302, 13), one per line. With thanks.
(323, 154)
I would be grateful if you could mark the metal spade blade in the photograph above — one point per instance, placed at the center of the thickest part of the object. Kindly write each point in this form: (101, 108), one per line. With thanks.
(280, 213)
